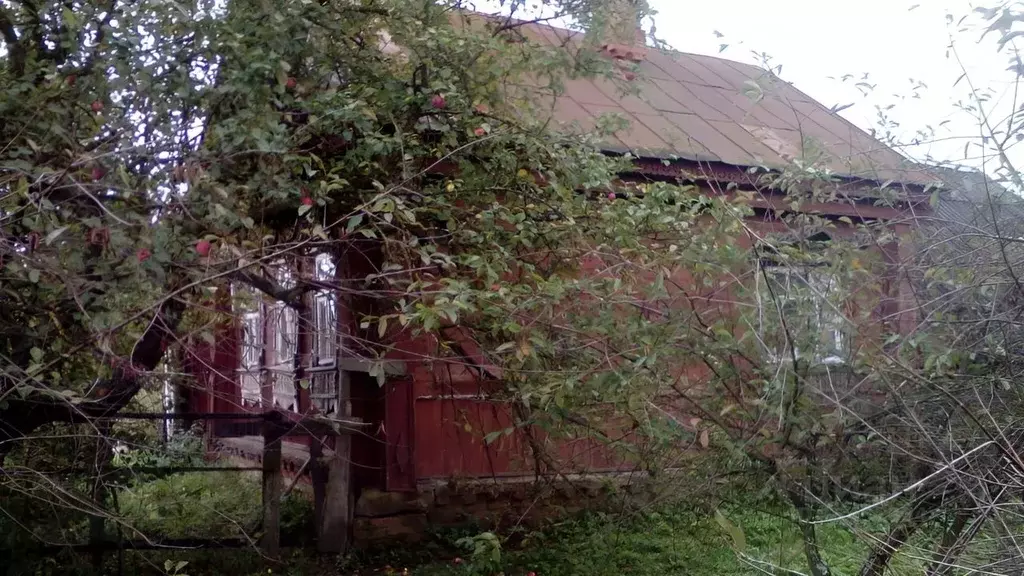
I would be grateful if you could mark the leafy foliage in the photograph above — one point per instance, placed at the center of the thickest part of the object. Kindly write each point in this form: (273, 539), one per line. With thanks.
(674, 539)
(204, 505)
(156, 155)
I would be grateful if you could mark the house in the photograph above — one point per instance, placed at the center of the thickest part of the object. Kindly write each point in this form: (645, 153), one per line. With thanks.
(691, 118)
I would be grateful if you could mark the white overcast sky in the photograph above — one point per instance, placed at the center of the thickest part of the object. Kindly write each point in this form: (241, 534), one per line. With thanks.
(893, 41)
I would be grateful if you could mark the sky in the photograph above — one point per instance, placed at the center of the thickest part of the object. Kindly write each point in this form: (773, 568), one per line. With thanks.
(898, 43)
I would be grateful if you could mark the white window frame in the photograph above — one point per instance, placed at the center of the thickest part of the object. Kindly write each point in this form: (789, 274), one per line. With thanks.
(249, 371)
(324, 343)
(286, 341)
(252, 341)
(830, 321)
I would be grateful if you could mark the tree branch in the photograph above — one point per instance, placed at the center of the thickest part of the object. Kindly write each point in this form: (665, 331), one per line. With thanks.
(292, 297)
(21, 416)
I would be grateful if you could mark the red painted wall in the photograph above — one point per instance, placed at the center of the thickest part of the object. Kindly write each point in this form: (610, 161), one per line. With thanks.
(430, 423)
(451, 415)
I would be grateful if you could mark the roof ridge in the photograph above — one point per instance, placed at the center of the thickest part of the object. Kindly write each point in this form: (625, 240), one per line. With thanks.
(666, 51)
(719, 58)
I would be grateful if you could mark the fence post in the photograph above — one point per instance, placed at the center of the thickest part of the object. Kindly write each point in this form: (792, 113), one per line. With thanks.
(97, 528)
(273, 482)
(336, 518)
(335, 522)
(318, 478)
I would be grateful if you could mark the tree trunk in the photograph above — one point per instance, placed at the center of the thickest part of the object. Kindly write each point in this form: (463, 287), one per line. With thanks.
(945, 553)
(880, 557)
(956, 539)
(100, 492)
(336, 518)
(273, 482)
(815, 563)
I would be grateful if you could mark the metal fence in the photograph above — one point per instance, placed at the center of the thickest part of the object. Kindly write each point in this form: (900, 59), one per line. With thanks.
(329, 474)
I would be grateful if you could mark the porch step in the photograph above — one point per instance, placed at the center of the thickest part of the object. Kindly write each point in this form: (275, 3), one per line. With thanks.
(293, 455)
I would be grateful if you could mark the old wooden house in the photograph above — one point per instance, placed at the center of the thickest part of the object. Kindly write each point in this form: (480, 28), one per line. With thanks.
(692, 118)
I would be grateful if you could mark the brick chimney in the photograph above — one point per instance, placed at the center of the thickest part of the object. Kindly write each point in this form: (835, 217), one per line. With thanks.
(624, 38)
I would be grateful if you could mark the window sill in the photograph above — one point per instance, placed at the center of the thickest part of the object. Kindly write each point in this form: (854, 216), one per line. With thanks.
(827, 362)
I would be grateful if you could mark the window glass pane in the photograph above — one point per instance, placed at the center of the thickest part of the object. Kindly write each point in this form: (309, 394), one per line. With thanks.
(286, 333)
(247, 306)
(252, 340)
(325, 314)
(794, 303)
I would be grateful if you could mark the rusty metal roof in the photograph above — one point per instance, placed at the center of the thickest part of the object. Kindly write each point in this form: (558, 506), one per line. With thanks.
(972, 201)
(703, 108)
(971, 185)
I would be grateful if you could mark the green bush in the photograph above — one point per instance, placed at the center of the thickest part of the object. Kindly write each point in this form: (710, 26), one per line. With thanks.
(185, 449)
(674, 539)
(205, 505)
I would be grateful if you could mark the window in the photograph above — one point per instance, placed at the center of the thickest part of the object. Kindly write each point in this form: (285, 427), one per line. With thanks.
(797, 311)
(286, 341)
(252, 340)
(247, 305)
(285, 322)
(325, 315)
(323, 391)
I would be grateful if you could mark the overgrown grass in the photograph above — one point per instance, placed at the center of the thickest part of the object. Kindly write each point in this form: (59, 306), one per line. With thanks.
(204, 505)
(193, 505)
(668, 539)
(677, 539)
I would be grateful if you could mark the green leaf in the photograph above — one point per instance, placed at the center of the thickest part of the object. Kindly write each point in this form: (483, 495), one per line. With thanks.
(377, 371)
(739, 541)
(304, 209)
(33, 276)
(353, 222)
(70, 19)
(54, 234)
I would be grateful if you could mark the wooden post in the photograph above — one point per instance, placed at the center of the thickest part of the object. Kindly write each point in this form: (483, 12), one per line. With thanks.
(337, 511)
(273, 482)
(97, 529)
(337, 508)
(318, 478)
(304, 325)
(334, 521)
